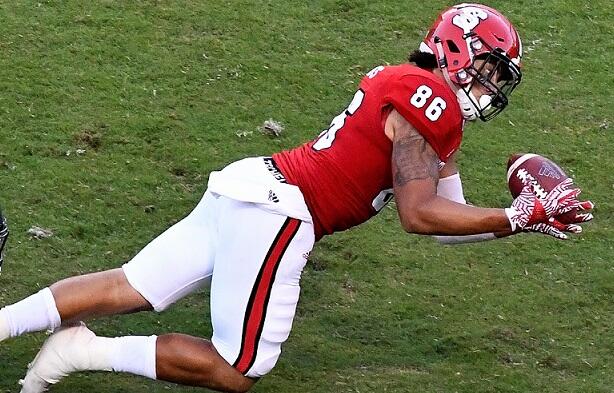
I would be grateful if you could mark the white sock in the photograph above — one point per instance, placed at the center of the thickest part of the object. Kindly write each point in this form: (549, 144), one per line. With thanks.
(76, 348)
(130, 354)
(32, 314)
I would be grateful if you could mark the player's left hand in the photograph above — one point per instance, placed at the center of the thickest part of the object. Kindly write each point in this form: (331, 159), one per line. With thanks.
(557, 229)
(528, 209)
(583, 214)
(551, 230)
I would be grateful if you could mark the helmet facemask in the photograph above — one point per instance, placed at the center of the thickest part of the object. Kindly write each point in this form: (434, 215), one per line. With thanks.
(479, 53)
(495, 75)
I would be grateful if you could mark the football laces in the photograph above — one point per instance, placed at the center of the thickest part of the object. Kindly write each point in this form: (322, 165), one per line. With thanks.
(527, 179)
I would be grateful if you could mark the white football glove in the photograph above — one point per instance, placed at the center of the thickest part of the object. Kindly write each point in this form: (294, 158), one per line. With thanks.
(550, 230)
(583, 215)
(528, 209)
(559, 232)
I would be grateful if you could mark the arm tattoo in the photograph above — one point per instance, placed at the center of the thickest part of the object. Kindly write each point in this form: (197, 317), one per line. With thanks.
(413, 158)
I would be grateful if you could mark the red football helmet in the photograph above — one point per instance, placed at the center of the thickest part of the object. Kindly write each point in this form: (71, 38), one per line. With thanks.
(465, 33)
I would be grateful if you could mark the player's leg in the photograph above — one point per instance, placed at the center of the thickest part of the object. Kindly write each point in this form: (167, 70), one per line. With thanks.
(74, 348)
(173, 357)
(96, 294)
(194, 361)
(254, 293)
(174, 264)
(72, 299)
(255, 287)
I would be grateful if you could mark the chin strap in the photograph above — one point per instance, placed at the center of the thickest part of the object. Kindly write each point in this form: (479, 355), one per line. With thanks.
(463, 97)
(443, 63)
(467, 108)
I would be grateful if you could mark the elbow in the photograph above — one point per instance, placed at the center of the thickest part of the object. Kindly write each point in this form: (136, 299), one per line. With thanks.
(408, 223)
(416, 222)
(419, 214)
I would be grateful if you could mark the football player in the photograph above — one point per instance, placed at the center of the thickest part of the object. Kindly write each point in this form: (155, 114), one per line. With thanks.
(249, 236)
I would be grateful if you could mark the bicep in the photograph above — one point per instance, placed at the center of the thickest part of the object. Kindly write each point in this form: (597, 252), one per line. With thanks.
(415, 165)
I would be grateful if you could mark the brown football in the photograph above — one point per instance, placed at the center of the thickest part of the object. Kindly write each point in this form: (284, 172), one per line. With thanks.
(543, 174)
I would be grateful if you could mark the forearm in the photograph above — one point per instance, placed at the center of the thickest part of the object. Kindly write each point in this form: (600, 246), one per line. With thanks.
(440, 216)
(415, 175)
(450, 187)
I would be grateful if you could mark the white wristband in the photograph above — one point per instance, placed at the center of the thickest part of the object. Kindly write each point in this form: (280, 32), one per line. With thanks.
(451, 188)
(510, 212)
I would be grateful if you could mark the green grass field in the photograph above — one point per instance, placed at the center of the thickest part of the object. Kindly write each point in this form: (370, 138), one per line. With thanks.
(156, 94)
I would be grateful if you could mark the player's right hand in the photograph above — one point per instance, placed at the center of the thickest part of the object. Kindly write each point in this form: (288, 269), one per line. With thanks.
(527, 209)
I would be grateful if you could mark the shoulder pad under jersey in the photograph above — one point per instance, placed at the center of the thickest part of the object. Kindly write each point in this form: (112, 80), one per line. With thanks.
(430, 106)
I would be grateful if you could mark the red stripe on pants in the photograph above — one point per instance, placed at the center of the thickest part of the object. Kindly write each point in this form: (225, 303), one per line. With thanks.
(261, 292)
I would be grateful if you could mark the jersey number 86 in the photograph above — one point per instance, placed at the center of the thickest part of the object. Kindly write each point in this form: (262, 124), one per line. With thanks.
(421, 97)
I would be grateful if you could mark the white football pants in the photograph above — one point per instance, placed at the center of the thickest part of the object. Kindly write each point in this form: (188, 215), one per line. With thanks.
(253, 259)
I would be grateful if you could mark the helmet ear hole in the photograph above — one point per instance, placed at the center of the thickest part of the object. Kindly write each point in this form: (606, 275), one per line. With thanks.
(452, 46)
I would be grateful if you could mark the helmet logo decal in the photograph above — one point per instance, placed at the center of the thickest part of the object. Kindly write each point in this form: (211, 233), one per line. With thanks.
(468, 18)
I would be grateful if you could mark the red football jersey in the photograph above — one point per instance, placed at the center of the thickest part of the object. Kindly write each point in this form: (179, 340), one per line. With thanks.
(345, 174)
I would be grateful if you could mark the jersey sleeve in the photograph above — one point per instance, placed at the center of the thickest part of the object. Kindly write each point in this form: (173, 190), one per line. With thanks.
(430, 108)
